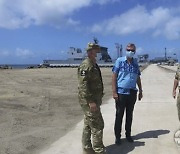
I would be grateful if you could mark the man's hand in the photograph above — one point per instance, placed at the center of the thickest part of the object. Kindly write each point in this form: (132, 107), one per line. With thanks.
(174, 94)
(140, 96)
(115, 96)
(93, 107)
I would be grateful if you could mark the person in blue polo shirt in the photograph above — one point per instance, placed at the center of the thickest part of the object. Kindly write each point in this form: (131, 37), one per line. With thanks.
(126, 75)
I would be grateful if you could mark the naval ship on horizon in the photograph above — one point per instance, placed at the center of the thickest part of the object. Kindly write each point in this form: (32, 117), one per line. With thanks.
(76, 56)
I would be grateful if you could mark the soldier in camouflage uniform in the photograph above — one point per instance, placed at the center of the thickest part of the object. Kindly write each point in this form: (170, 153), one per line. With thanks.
(90, 98)
(177, 84)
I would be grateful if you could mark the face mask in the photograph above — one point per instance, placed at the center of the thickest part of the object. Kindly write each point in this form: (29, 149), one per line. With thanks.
(130, 54)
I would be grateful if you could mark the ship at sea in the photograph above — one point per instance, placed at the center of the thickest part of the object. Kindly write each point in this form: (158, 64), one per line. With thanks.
(76, 56)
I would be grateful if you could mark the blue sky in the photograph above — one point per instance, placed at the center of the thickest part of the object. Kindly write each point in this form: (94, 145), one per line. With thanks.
(33, 30)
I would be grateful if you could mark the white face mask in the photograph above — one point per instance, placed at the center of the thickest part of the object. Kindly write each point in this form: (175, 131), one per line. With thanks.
(130, 54)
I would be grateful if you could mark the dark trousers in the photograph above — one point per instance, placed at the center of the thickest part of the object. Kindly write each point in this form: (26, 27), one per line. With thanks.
(124, 102)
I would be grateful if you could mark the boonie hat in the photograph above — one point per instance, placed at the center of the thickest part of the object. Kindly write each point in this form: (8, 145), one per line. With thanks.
(91, 46)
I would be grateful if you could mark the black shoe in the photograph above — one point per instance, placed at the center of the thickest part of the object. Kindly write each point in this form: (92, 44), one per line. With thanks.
(118, 141)
(88, 151)
(129, 139)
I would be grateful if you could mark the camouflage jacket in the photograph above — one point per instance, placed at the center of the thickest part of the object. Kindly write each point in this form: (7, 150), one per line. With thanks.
(90, 81)
(177, 76)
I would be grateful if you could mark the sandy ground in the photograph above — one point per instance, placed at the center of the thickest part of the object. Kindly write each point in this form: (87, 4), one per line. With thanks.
(38, 106)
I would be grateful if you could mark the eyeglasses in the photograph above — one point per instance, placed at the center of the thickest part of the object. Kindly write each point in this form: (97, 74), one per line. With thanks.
(131, 50)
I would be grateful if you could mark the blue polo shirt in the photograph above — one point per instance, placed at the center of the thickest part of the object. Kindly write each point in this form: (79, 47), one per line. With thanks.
(127, 75)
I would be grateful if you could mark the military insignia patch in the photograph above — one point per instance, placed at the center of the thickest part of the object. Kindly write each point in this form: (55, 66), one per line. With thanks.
(83, 73)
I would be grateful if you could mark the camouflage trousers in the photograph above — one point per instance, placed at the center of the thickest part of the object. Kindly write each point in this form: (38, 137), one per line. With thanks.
(93, 129)
(178, 105)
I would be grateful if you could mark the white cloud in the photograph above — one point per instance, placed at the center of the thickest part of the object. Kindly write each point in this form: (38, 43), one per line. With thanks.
(139, 50)
(20, 53)
(161, 21)
(4, 53)
(102, 2)
(72, 22)
(135, 20)
(24, 53)
(23, 13)
(172, 29)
